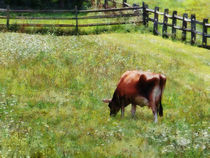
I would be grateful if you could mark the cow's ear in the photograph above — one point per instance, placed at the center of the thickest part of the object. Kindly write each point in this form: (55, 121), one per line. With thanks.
(106, 100)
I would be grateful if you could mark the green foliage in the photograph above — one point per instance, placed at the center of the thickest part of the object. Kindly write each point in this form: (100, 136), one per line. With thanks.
(48, 3)
(51, 89)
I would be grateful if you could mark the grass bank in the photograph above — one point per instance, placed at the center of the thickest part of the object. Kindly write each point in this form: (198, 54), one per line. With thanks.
(51, 90)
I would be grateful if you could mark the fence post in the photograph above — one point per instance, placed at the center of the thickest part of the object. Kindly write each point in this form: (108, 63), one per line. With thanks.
(174, 24)
(184, 27)
(165, 22)
(193, 29)
(155, 27)
(204, 41)
(145, 14)
(76, 16)
(8, 12)
(124, 1)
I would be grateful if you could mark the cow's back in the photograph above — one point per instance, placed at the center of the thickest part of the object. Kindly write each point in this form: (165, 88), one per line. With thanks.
(127, 85)
(134, 82)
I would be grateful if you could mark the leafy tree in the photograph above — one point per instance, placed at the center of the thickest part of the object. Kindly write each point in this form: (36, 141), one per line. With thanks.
(49, 3)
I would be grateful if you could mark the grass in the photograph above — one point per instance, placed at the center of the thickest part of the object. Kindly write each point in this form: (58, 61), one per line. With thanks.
(51, 89)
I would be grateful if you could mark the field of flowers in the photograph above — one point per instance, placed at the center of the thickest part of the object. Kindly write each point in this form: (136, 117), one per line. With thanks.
(51, 89)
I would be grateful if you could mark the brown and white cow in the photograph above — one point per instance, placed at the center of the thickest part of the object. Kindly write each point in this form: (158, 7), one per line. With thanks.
(138, 88)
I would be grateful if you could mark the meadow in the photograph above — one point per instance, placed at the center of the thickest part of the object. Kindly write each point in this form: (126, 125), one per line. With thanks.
(51, 89)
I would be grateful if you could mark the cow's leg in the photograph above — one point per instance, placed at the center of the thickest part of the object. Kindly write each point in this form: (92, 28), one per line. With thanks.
(154, 111)
(133, 110)
(160, 109)
(154, 97)
(122, 111)
(155, 117)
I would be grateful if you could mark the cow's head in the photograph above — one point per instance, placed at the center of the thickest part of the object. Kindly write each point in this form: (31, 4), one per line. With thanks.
(113, 106)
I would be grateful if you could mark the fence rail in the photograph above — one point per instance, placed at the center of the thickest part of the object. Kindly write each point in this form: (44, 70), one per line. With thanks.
(72, 18)
(69, 11)
(79, 25)
(188, 23)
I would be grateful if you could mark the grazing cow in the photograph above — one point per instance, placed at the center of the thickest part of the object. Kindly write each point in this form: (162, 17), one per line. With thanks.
(138, 88)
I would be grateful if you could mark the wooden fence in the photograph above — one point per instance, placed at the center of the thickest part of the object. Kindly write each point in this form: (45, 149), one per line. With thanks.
(174, 17)
(115, 13)
(136, 11)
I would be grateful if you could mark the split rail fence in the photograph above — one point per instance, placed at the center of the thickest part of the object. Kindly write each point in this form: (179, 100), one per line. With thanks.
(186, 23)
(185, 20)
(189, 24)
(115, 13)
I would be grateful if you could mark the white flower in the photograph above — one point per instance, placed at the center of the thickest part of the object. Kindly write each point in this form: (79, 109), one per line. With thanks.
(183, 141)
(196, 146)
(203, 147)
(205, 134)
(164, 150)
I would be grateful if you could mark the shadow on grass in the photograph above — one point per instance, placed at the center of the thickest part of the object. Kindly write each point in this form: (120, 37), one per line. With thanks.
(142, 113)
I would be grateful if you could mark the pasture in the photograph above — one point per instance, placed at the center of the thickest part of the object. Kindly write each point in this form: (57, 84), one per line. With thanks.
(51, 89)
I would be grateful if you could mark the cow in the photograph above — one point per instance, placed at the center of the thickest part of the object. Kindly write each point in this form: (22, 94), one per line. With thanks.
(138, 88)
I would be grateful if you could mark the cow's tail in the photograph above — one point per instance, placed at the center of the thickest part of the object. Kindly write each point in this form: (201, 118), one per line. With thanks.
(162, 86)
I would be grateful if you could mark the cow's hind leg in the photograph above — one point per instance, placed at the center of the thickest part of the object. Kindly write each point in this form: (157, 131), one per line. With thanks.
(122, 111)
(160, 109)
(154, 111)
(133, 110)
(155, 116)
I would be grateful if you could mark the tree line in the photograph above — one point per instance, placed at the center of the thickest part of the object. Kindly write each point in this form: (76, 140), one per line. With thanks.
(40, 4)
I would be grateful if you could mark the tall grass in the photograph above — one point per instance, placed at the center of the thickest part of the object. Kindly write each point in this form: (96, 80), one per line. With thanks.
(51, 89)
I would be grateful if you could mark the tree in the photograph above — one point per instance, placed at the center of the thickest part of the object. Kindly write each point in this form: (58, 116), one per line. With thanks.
(62, 3)
(48, 3)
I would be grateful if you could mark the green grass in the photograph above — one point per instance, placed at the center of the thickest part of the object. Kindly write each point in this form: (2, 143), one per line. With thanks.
(51, 89)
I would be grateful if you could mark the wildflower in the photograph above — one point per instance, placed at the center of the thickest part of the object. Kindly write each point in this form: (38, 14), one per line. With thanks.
(203, 147)
(164, 150)
(183, 141)
(205, 134)
(196, 146)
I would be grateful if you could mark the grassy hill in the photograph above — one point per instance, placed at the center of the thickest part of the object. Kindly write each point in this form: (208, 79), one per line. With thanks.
(51, 89)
